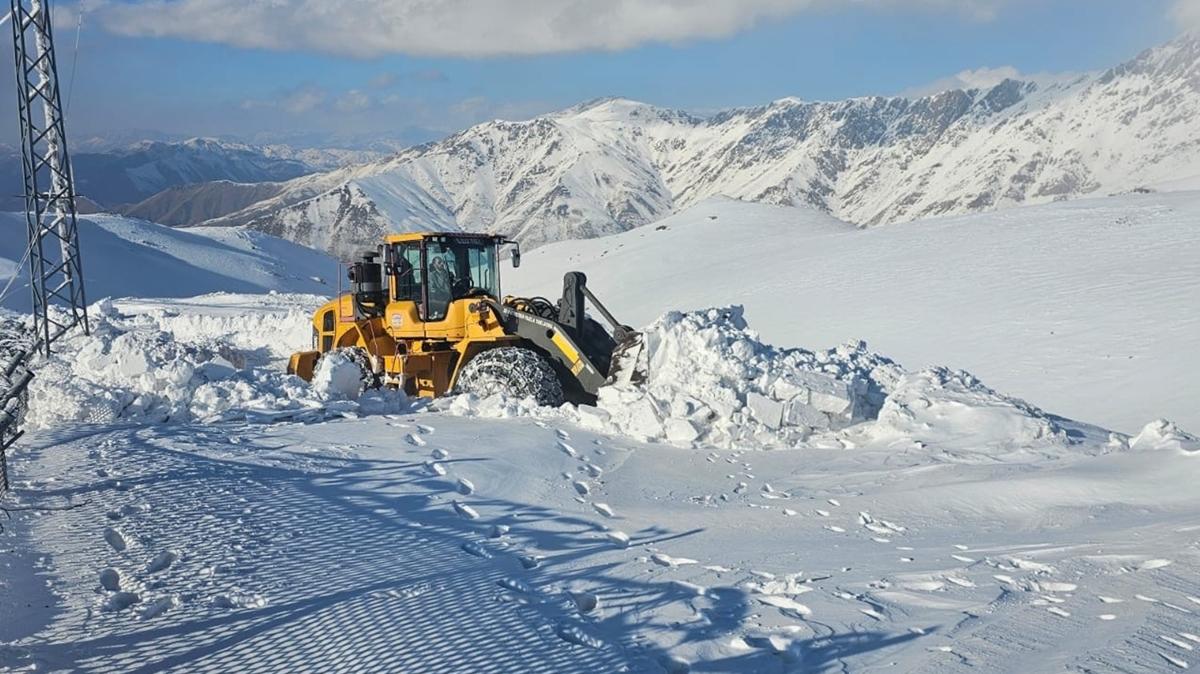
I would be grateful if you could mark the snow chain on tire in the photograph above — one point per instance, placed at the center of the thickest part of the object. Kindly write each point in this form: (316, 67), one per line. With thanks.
(513, 371)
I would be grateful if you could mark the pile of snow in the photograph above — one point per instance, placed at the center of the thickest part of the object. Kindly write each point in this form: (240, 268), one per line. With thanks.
(134, 368)
(1165, 435)
(263, 327)
(709, 379)
(711, 382)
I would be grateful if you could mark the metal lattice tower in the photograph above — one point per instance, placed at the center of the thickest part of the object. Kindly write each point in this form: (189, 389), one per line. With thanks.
(55, 272)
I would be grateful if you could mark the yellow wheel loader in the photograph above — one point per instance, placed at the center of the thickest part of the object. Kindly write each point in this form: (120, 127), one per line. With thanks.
(424, 314)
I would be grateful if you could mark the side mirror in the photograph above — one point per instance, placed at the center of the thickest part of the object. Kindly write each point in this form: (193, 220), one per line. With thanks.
(516, 253)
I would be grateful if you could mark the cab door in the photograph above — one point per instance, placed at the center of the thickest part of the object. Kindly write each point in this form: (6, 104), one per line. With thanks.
(403, 317)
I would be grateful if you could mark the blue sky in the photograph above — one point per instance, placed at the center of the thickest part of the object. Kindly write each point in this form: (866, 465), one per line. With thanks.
(154, 67)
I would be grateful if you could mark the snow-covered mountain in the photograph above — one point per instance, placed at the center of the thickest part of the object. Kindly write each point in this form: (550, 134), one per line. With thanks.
(149, 167)
(614, 164)
(323, 158)
(130, 174)
(219, 177)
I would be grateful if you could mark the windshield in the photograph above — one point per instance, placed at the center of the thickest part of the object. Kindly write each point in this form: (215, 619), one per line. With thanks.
(457, 268)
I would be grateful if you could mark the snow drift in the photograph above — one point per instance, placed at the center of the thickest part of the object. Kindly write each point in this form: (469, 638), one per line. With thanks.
(710, 380)
(1163, 435)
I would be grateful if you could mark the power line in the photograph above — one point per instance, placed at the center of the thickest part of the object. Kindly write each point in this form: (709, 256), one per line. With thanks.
(16, 272)
(74, 62)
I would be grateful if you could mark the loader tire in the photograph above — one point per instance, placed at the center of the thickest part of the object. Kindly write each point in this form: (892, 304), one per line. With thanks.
(512, 371)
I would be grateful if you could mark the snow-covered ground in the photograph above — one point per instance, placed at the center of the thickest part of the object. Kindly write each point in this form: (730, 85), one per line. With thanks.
(179, 504)
(223, 517)
(127, 257)
(429, 543)
(1086, 308)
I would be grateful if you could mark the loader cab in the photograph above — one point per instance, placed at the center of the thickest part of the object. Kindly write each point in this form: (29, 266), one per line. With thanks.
(429, 273)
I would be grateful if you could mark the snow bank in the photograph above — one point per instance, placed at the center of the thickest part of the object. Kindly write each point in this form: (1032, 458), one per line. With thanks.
(135, 368)
(711, 382)
(262, 335)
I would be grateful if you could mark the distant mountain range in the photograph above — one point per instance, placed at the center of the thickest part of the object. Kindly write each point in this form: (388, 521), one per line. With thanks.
(611, 165)
(115, 178)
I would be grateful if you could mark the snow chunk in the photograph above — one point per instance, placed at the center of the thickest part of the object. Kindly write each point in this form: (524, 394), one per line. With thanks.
(159, 607)
(338, 376)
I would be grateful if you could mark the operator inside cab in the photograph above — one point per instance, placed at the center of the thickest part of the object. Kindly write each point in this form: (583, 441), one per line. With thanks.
(441, 285)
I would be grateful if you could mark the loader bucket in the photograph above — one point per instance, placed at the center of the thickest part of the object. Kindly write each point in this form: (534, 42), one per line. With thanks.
(628, 367)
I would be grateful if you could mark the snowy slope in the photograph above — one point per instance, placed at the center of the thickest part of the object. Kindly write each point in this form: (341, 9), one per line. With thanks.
(611, 165)
(126, 257)
(1082, 308)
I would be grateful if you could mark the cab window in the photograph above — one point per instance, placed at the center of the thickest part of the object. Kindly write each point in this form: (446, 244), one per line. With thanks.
(328, 324)
(458, 268)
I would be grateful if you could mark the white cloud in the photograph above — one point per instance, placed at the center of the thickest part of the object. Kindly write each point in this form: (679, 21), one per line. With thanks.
(980, 78)
(353, 101)
(986, 78)
(298, 101)
(1186, 13)
(470, 28)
